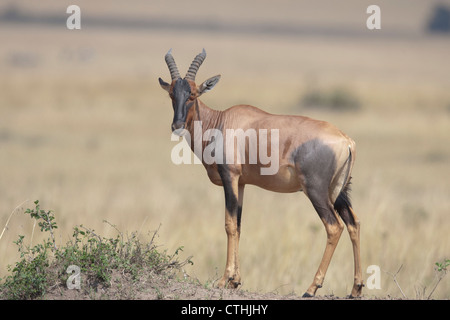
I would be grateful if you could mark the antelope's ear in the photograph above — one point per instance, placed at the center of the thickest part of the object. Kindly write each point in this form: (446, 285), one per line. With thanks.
(208, 84)
(164, 85)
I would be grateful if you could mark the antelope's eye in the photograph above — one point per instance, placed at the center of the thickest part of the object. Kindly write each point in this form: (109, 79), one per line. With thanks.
(192, 95)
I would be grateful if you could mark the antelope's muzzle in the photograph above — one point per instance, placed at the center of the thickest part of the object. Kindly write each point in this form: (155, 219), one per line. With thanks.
(179, 125)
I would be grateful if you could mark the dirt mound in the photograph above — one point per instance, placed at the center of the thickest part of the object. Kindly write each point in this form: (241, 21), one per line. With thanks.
(154, 286)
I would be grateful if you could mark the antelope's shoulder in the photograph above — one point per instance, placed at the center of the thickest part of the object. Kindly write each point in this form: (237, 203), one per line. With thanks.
(245, 109)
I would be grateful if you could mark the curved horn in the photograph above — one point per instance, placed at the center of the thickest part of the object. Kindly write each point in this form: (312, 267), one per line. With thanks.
(172, 65)
(198, 60)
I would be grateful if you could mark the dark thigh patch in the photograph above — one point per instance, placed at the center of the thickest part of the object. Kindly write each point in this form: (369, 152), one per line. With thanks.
(317, 163)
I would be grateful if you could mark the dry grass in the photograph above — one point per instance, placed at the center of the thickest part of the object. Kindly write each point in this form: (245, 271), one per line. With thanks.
(85, 129)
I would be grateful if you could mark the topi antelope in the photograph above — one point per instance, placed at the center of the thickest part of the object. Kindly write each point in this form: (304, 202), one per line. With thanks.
(313, 156)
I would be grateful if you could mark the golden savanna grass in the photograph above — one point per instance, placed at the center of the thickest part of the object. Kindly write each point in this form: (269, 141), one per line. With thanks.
(85, 128)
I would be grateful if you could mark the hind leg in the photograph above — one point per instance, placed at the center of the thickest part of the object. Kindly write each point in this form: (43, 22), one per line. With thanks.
(353, 226)
(333, 226)
(353, 230)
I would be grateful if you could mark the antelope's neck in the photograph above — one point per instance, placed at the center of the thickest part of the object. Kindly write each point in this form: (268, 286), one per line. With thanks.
(200, 118)
(210, 119)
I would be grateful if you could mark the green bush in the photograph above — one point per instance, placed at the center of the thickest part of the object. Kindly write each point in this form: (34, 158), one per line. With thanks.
(97, 257)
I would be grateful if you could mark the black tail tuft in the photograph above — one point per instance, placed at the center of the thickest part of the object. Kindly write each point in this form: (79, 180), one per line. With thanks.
(343, 200)
(343, 204)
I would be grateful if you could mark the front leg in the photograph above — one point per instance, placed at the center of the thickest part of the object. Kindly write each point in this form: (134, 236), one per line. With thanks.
(233, 209)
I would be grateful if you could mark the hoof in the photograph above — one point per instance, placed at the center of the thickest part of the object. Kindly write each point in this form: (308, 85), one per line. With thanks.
(233, 284)
(353, 297)
(229, 284)
(307, 295)
(356, 292)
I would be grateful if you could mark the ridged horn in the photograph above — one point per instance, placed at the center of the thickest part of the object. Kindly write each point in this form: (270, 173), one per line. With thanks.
(198, 60)
(172, 65)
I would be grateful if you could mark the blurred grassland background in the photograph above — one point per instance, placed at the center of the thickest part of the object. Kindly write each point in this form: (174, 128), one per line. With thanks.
(85, 128)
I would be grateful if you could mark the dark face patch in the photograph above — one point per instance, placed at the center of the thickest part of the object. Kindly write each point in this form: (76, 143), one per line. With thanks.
(180, 95)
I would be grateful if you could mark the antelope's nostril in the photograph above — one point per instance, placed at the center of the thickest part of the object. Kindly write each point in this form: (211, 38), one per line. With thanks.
(177, 126)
